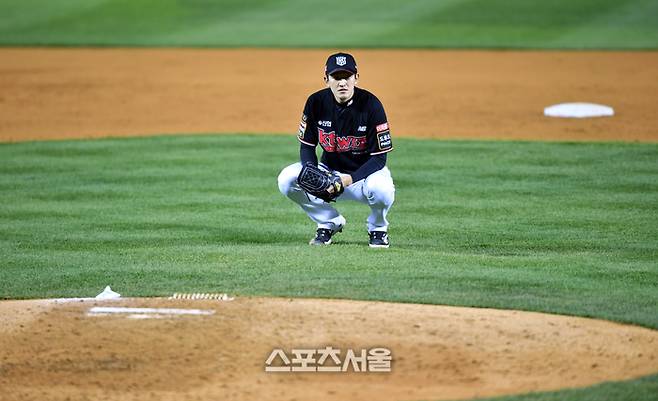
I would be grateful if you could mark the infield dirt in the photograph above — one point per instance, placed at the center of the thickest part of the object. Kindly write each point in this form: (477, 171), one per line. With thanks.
(84, 93)
(55, 351)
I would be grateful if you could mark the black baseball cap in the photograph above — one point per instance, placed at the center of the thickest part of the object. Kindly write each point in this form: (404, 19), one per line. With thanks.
(340, 62)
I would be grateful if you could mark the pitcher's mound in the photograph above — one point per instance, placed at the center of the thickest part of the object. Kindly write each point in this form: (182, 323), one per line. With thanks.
(59, 351)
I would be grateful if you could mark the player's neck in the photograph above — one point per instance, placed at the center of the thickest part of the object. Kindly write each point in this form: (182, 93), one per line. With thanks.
(346, 102)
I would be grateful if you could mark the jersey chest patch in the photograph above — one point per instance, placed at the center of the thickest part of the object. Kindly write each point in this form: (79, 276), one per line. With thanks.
(331, 142)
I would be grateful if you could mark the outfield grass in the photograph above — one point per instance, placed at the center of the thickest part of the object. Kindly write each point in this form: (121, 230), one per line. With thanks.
(566, 228)
(554, 24)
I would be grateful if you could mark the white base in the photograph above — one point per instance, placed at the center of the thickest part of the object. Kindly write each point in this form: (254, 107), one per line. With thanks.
(578, 110)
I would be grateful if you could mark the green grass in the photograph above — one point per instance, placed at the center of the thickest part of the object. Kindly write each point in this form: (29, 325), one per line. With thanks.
(645, 389)
(546, 24)
(558, 227)
(566, 228)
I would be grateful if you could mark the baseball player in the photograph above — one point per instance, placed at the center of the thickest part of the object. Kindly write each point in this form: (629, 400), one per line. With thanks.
(350, 125)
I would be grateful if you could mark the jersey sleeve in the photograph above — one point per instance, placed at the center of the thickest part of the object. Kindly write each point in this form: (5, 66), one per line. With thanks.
(379, 134)
(307, 133)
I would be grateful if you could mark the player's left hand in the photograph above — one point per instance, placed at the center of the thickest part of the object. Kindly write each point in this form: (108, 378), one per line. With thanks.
(322, 184)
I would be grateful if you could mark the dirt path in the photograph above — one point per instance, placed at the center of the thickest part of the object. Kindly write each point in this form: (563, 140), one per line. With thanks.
(80, 93)
(438, 352)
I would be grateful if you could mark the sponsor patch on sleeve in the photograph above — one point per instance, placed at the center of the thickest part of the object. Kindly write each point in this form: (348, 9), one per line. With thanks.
(302, 126)
(384, 140)
(382, 127)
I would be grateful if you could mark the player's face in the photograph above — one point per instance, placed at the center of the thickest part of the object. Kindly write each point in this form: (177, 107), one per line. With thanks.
(342, 85)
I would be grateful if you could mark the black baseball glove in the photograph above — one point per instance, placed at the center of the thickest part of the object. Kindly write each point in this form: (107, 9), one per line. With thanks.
(323, 184)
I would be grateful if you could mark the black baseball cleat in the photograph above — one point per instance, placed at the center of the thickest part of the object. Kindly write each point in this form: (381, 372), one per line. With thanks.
(378, 239)
(323, 236)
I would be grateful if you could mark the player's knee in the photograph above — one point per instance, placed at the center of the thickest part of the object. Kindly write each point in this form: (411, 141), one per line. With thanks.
(288, 178)
(380, 190)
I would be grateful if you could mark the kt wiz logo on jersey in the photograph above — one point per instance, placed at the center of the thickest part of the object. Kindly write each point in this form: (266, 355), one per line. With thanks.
(330, 142)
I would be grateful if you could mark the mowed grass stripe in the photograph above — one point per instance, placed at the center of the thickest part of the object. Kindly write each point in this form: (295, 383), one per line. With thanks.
(556, 24)
(556, 227)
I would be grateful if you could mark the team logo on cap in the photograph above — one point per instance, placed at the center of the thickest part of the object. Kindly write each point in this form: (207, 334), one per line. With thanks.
(341, 60)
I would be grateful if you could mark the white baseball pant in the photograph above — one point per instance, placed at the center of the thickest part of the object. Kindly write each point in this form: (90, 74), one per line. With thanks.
(376, 190)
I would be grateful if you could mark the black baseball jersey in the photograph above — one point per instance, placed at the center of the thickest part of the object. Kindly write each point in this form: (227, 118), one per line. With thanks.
(348, 134)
